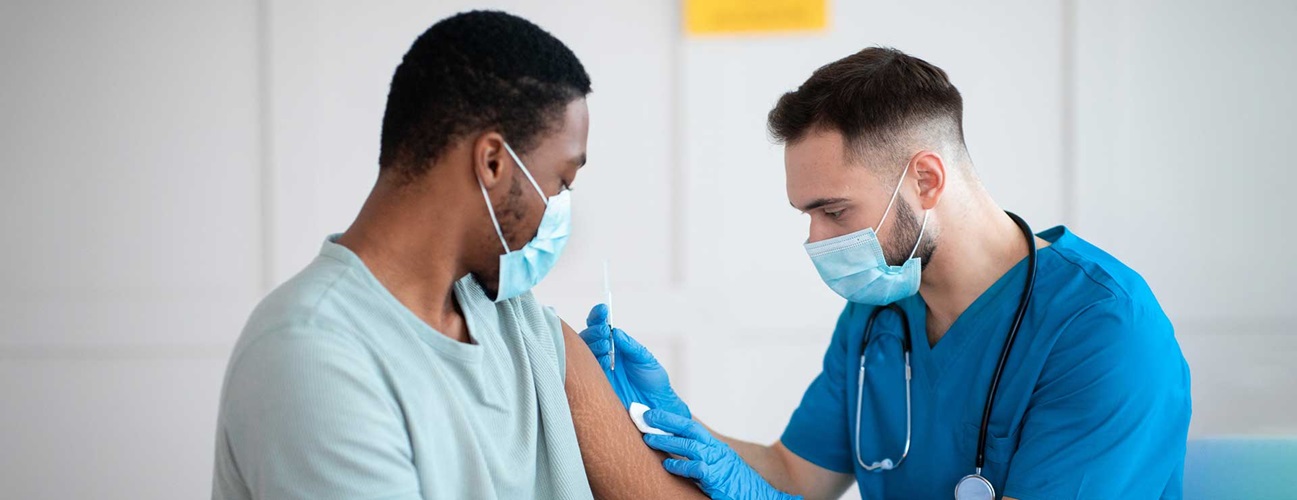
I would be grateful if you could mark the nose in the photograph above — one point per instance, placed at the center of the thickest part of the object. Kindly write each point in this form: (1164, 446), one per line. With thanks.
(819, 230)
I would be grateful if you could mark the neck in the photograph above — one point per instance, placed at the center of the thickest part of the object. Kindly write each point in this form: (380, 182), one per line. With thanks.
(976, 249)
(414, 247)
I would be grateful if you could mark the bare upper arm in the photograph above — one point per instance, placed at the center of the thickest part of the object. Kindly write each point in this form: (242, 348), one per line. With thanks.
(617, 462)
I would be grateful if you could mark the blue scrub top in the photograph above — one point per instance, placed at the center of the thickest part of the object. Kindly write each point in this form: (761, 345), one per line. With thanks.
(1094, 401)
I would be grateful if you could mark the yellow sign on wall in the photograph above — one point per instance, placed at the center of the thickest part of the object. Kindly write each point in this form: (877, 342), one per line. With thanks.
(708, 17)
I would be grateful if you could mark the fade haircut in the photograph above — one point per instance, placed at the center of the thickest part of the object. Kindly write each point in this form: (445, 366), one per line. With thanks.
(881, 100)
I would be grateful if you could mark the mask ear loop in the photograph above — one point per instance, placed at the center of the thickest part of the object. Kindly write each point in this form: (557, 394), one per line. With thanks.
(922, 228)
(534, 184)
(490, 209)
(891, 202)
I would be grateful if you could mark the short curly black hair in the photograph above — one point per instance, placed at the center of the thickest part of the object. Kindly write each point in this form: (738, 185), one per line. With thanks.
(473, 72)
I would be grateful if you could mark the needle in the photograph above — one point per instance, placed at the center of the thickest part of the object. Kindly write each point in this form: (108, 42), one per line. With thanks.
(607, 294)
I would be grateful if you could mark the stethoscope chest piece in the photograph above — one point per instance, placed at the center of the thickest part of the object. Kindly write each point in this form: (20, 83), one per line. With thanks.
(974, 487)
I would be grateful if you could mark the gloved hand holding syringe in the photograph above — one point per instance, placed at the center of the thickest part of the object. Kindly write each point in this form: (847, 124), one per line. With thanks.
(641, 378)
(645, 391)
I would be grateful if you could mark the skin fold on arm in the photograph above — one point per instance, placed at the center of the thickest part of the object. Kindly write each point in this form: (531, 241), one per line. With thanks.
(617, 462)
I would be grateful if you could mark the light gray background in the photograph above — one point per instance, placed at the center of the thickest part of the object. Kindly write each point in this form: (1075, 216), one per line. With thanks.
(164, 164)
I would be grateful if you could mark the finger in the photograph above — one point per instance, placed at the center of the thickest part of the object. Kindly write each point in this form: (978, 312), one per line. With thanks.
(631, 349)
(598, 347)
(593, 333)
(675, 445)
(603, 359)
(678, 425)
(685, 468)
(598, 315)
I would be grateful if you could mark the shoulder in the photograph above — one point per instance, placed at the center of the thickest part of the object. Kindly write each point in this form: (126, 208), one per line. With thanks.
(302, 321)
(279, 363)
(560, 334)
(1095, 271)
(1088, 287)
(309, 354)
(1103, 316)
(538, 325)
(308, 295)
(536, 321)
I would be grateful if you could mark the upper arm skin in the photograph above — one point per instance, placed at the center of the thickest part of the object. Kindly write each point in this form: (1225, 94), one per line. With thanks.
(617, 462)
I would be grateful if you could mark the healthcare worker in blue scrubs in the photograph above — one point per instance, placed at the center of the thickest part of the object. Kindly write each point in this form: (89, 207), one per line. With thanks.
(1088, 390)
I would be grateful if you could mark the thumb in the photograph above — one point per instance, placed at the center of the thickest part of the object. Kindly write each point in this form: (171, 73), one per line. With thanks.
(598, 315)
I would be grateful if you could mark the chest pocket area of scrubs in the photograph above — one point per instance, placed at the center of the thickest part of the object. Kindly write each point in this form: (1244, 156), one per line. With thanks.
(999, 452)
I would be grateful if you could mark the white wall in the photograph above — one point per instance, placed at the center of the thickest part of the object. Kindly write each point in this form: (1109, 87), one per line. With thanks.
(130, 209)
(162, 164)
(1183, 114)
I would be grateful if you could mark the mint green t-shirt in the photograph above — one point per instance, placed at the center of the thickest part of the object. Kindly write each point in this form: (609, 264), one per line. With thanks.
(336, 390)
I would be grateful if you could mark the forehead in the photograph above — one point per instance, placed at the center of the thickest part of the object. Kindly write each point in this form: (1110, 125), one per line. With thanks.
(819, 165)
(566, 140)
(818, 150)
(575, 128)
(576, 121)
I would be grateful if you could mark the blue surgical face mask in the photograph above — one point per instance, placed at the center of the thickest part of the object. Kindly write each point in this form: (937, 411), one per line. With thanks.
(522, 269)
(853, 265)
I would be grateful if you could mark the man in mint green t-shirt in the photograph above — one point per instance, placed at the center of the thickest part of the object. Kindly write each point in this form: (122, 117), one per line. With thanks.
(409, 359)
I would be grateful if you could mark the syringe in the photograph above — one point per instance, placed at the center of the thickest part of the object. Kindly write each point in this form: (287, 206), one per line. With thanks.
(612, 342)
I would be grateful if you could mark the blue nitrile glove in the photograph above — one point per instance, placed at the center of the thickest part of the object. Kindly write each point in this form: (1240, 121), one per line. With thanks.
(639, 377)
(717, 468)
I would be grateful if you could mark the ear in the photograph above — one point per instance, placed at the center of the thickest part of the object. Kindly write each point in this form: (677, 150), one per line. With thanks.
(491, 163)
(930, 174)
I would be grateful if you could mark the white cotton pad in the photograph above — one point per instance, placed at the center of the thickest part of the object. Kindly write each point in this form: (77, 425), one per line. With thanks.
(637, 415)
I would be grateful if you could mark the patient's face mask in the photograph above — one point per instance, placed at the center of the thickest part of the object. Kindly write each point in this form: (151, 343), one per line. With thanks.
(854, 266)
(522, 269)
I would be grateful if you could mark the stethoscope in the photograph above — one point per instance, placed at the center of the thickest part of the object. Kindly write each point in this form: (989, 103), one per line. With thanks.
(973, 486)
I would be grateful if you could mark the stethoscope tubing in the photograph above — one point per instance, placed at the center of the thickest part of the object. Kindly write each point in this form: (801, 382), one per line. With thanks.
(1021, 312)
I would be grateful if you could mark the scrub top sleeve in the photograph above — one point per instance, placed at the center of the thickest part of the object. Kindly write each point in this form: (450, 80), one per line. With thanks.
(1110, 413)
(309, 417)
(818, 429)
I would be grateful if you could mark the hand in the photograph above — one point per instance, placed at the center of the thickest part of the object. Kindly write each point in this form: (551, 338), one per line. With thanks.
(717, 468)
(639, 377)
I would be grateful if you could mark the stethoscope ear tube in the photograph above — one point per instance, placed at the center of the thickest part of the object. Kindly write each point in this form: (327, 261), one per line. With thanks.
(1008, 343)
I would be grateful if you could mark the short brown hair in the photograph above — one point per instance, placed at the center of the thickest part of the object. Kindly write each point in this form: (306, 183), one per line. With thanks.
(873, 97)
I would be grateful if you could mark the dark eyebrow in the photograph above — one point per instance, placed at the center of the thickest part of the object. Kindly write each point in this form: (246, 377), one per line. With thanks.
(818, 203)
